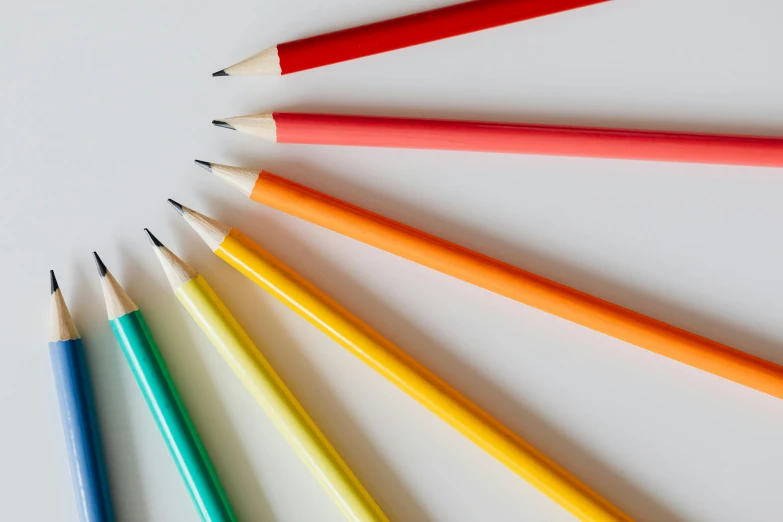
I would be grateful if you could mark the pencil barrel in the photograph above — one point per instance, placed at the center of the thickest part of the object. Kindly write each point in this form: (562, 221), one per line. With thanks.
(410, 376)
(518, 284)
(172, 418)
(415, 29)
(277, 401)
(551, 140)
(83, 444)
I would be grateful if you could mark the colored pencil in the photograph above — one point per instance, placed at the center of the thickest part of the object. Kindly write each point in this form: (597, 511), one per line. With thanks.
(510, 138)
(390, 361)
(501, 278)
(397, 33)
(77, 409)
(164, 402)
(267, 388)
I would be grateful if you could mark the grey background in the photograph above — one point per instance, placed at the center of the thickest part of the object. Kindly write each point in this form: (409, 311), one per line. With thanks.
(105, 105)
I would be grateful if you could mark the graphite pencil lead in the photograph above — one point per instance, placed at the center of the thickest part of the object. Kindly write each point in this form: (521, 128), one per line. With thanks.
(61, 327)
(219, 123)
(261, 125)
(221, 72)
(242, 179)
(265, 62)
(154, 240)
(98, 263)
(204, 164)
(177, 207)
(211, 231)
(177, 271)
(117, 301)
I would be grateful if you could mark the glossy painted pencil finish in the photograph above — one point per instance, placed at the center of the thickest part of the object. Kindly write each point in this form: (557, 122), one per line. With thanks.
(267, 388)
(406, 31)
(173, 420)
(415, 29)
(410, 376)
(79, 419)
(507, 280)
(85, 454)
(277, 401)
(164, 401)
(550, 140)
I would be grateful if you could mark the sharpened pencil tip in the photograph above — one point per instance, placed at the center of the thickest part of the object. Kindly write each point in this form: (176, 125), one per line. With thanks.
(219, 123)
(154, 240)
(53, 281)
(98, 263)
(221, 72)
(204, 164)
(177, 207)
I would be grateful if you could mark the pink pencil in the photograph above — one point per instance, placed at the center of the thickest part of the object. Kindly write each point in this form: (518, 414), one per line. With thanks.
(551, 140)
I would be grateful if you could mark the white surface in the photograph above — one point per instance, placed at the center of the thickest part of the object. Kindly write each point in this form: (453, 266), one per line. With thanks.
(104, 105)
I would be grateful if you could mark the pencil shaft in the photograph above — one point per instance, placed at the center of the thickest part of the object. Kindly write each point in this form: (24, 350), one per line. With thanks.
(517, 284)
(391, 362)
(277, 401)
(591, 142)
(171, 417)
(83, 443)
(415, 29)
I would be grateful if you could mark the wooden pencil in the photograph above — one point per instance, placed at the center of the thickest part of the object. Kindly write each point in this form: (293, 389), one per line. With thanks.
(267, 388)
(77, 409)
(410, 376)
(164, 402)
(396, 33)
(502, 278)
(509, 138)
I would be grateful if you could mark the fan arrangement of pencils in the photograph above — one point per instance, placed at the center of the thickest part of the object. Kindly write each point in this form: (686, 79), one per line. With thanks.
(348, 330)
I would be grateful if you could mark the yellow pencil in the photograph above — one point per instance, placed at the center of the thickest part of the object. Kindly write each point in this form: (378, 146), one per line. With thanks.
(267, 388)
(394, 364)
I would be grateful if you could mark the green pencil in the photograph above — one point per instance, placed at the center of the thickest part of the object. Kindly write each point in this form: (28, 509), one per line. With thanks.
(163, 400)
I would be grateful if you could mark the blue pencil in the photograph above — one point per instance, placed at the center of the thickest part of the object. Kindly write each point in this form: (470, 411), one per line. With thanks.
(78, 414)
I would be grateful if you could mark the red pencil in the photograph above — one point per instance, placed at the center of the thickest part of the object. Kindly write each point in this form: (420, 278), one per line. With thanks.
(551, 140)
(406, 31)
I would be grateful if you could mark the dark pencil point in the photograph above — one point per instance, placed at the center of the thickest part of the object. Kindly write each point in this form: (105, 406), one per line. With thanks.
(218, 123)
(221, 72)
(53, 280)
(153, 239)
(177, 207)
(101, 267)
(204, 165)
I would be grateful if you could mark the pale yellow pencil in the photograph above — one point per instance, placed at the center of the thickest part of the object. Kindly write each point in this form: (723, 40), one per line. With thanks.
(267, 388)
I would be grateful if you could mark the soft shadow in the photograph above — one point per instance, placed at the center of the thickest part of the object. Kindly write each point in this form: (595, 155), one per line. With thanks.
(717, 124)
(487, 241)
(105, 361)
(478, 387)
(243, 300)
(167, 320)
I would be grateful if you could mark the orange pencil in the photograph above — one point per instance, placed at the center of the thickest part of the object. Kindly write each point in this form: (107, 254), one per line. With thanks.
(504, 279)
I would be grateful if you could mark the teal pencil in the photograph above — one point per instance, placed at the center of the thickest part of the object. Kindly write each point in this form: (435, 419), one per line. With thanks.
(164, 402)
